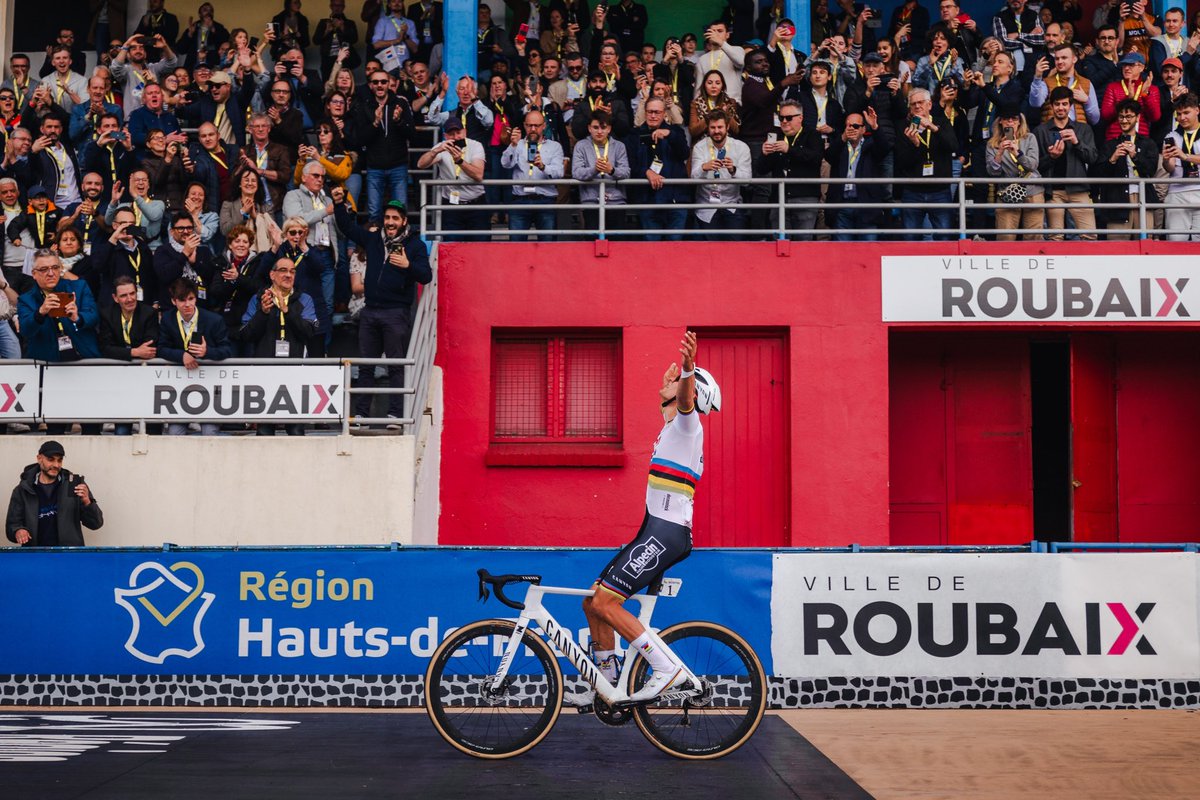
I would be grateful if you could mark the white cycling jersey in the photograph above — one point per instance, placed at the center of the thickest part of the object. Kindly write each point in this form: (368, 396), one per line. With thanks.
(675, 468)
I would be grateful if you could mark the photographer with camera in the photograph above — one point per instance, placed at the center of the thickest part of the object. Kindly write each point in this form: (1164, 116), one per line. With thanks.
(51, 506)
(126, 252)
(783, 57)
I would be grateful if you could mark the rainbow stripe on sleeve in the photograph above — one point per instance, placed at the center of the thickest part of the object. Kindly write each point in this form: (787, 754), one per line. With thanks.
(671, 477)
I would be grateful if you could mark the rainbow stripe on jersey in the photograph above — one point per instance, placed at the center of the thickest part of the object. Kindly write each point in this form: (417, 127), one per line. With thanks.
(668, 476)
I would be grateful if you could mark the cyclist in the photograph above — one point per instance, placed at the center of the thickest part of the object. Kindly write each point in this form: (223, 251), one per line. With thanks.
(665, 537)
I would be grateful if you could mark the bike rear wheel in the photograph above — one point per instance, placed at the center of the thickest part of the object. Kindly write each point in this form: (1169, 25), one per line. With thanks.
(726, 713)
(469, 714)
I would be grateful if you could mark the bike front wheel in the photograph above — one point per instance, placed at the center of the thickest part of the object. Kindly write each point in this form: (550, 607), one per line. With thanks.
(728, 709)
(483, 720)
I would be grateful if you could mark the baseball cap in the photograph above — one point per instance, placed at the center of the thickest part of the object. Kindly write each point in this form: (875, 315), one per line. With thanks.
(1172, 62)
(452, 124)
(51, 449)
(1133, 58)
(872, 58)
(220, 76)
(37, 190)
(825, 65)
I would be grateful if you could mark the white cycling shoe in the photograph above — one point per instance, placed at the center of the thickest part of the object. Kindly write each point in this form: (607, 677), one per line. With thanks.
(660, 682)
(579, 699)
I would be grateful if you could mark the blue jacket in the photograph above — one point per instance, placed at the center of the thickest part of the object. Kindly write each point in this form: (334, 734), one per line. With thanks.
(82, 127)
(41, 333)
(143, 120)
(210, 327)
(387, 286)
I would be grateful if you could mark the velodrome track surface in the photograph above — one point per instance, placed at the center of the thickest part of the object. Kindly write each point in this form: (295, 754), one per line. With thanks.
(836, 754)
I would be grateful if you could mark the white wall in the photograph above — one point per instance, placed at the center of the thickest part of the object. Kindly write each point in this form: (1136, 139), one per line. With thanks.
(193, 490)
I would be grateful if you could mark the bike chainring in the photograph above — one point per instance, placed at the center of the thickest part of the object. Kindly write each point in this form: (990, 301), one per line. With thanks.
(609, 715)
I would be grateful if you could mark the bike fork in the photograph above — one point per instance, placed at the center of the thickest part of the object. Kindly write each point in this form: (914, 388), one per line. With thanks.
(510, 652)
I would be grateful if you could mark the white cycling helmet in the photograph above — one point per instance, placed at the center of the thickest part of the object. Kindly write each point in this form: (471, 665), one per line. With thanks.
(708, 393)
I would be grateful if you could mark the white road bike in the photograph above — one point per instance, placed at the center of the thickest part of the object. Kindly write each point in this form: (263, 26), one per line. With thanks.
(494, 688)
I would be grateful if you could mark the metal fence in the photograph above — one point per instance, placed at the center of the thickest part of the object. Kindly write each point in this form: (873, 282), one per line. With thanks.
(963, 209)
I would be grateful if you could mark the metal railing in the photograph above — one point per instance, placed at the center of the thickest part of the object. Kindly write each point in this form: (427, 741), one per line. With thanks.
(422, 349)
(962, 208)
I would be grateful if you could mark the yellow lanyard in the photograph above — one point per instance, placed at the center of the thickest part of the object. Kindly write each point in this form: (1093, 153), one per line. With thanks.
(135, 261)
(1058, 81)
(710, 103)
(217, 158)
(770, 86)
(109, 98)
(127, 329)
(944, 61)
(112, 161)
(597, 149)
(718, 55)
(218, 116)
(579, 87)
(62, 165)
(40, 216)
(610, 81)
(137, 217)
(1173, 49)
(59, 94)
(20, 93)
(675, 85)
(1130, 92)
(926, 141)
(296, 261)
(396, 25)
(186, 334)
(822, 104)
(1189, 142)
(855, 153)
(792, 141)
(788, 58)
(281, 304)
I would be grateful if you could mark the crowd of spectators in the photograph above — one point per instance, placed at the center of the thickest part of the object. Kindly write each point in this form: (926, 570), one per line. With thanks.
(172, 200)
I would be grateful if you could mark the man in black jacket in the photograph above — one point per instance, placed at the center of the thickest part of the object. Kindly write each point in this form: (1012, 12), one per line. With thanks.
(221, 107)
(796, 153)
(661, 151)
(280, 323)
(924, 151)
(396, 262)
(1129, 155)
(1067, 150)
(128, 329)
(50, 506)
(189, 333)
(384, 125)
(183, 257)
(858, 153)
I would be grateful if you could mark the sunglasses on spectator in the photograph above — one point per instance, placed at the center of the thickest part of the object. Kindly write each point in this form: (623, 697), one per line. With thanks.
(854, 125)
(379, 83)
(296, 232)
(6, 98)
(184, 228)
(789, 117)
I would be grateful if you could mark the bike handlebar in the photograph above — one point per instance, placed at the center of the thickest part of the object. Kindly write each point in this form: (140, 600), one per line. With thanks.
(498, 582)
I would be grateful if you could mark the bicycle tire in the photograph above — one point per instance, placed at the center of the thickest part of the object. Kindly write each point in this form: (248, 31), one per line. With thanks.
(736, 700)
(502, 725)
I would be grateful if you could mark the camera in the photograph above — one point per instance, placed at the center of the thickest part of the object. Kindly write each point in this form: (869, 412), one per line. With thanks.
(117, 136)
(189, 96)
(823, 54)
(288, 65)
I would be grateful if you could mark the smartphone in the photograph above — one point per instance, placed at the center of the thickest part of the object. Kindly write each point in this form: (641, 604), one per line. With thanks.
(1167, 142)
(1057, 135)
(118, 136)
(915, 122)
(531, 83)
(772, 137)
(63, 299)
(522, 34)
(137, 232)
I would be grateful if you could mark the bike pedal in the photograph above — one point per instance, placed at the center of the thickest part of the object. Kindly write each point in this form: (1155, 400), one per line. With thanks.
(588, 709)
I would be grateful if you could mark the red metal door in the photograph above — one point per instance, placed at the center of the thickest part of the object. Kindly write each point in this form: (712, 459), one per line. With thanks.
(1158, 495)
(917, 440)
(742, 500)
(1094, 437)
(960, 461)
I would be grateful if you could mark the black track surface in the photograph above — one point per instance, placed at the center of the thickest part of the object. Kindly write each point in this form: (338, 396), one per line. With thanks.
(361, 755)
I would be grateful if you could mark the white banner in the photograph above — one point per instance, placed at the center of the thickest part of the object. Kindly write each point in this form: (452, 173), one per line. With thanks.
(289, 393)
(1096, 615)
(19, 384)
(1039, 288)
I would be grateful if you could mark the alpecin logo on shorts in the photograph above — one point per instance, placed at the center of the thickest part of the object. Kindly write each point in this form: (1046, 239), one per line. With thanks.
(644, 558)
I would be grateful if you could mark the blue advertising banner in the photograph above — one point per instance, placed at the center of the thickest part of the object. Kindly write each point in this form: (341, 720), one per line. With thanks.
(359, 611)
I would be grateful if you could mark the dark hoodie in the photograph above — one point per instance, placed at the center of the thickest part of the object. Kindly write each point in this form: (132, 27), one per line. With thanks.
(23, 508)
(27, 221)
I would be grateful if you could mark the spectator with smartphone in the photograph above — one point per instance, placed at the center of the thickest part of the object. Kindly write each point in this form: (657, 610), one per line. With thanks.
(334, 34)
(51, 506)
(86, 116)
(908, 26)
(461, 159)
(965, 36)
(1129, 155)
(1181, 159)
(1084, 104)
(1012, 153)
(1067, 150)
(723, 57)
(677, 72)
(529, 156)
(717, 156)
(126, 251)
(628, 21)
(1102, 65)
(58, 316)
(190, 333)
(184, 256)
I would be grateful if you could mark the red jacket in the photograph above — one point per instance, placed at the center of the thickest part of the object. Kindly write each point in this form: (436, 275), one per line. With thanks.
(1144, 92)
